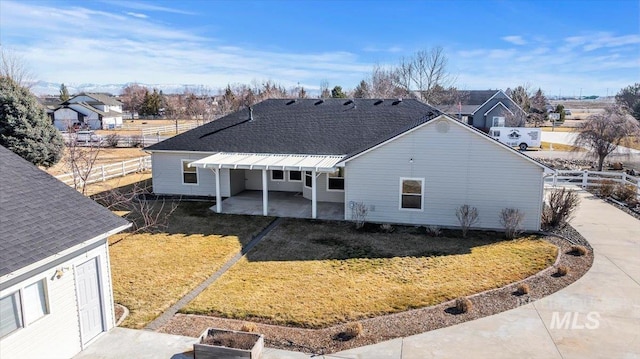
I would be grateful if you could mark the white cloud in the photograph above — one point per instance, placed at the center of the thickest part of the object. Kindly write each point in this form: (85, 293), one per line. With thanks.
(136, 14)
(516, 40)
(146, 7)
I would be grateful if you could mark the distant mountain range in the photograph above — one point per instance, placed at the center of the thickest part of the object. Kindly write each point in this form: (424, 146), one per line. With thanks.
(42, 88)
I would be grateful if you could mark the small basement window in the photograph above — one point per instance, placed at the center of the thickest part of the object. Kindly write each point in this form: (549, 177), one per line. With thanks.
(295, 176)
(277, 175)
(189, 174)
(411, 193)
(335, 180)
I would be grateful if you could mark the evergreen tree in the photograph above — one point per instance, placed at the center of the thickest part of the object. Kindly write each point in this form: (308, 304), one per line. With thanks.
(25, 128)
(338, 93)
(362, 90)
(64, 93)
(629, 99)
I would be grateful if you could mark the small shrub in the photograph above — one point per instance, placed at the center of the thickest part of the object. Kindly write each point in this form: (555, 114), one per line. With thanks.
(511, 220)
(463, 305)
(359, 214)
(578, 250)
(624, 192)
(433, 230)
(523, 289)
(606, 188)
(112, 140)
(562, 270)
(467, 217)
(562, 204)
(249, 327)
(353, 330)
(135, 141)
(386, 227)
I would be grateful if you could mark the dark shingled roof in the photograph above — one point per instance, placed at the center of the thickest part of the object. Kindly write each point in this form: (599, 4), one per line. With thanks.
(477, 97)
(304, 126)
(41, 216)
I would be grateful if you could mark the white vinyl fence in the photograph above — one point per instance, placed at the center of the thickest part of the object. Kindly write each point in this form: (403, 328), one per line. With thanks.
(587, 179)
(101, 173)
(182, 127)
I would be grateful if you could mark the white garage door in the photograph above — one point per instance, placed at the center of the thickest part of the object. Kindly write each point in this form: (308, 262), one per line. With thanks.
(89, 300)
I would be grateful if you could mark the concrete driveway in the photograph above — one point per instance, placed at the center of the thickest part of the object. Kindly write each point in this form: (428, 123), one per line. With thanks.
(598, 316)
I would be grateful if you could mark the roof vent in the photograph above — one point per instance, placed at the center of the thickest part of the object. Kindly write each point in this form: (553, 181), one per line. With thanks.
(291, 102)
(378, 102)
(250, 113)
(319, 102)
(349, 102)
(396, 101)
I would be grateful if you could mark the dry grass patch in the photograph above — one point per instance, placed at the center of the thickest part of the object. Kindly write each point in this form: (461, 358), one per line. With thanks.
(560, 147)
(558, 129)
(151, 272)
(314, 274)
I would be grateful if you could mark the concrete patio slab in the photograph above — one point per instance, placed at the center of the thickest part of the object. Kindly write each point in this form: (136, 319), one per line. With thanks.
(281, 204)
(139, 344)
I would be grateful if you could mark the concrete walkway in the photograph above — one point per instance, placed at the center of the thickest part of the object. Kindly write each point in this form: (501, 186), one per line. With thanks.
(598, 316)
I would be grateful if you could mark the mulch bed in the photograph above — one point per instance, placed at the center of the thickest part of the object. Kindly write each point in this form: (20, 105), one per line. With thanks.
(328, 340)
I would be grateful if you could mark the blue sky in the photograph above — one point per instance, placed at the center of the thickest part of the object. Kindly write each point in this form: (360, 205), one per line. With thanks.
(563, 47)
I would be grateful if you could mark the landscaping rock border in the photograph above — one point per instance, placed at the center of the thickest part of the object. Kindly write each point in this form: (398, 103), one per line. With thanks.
(377, 329)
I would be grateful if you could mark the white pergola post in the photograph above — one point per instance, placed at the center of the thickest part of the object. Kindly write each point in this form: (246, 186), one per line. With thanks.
(216, 171)
(265, 193)
(314, 195)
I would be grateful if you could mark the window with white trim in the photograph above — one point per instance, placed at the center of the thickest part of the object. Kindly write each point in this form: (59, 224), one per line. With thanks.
(497, 121)
(277, 175)
(308, 180)
(335, 180)
(411, 193)
(295, 176)
(23, 307)
(189, 174)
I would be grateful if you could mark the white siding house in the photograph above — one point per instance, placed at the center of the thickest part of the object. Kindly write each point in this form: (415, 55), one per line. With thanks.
(405, 161)
(455, 165)
(91, 111)
(55, 279)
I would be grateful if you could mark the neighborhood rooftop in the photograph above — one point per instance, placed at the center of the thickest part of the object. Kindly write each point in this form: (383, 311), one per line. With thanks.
(41, 216)
(304, 126)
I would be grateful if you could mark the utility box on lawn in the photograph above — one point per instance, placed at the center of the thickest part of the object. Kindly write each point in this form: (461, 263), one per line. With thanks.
(521, 137)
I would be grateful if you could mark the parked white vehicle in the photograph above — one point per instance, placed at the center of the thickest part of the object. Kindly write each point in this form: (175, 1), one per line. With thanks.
(82, 137)
(521, 137)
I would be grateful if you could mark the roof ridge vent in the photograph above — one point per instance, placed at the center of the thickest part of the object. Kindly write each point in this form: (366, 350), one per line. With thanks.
(397, 101)
(320, 101)
(378, 102)
(348, 102)
(291, 102)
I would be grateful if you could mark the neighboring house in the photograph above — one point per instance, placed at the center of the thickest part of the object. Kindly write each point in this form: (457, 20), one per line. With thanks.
(89, 111)
(55, 280)
(487, 108)
(404, 160)
(50, 104)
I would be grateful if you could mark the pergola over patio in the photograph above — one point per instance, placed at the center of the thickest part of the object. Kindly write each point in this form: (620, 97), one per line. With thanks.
(256, 161)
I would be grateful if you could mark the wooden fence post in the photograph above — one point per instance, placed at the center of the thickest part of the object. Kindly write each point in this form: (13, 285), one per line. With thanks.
(555, 178)
(585, 179)
(123, 172)
(102, 170)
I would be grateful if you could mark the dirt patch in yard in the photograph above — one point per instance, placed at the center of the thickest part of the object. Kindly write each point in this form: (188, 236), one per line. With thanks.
(377, 329)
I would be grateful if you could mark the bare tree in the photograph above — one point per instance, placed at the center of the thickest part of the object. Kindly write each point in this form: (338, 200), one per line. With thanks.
(511, 220)
(147, 214)
(538, 109)
(132, 97)
(80, 158)
(425, 75)
(324, 89)
(467, 217)
(14, 66)
(603, 133)
(382, 84)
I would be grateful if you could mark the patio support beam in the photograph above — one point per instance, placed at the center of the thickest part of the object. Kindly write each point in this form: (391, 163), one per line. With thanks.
(314, 195)
(265, 193)
(216, 171)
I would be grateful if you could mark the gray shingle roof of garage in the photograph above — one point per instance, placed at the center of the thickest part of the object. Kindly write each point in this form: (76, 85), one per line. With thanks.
(41, 216)
(306, 126)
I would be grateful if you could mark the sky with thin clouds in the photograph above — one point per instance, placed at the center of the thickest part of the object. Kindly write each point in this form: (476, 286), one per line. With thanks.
(587, 47)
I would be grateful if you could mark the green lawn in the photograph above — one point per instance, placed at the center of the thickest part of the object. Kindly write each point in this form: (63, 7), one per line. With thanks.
(314, 274)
